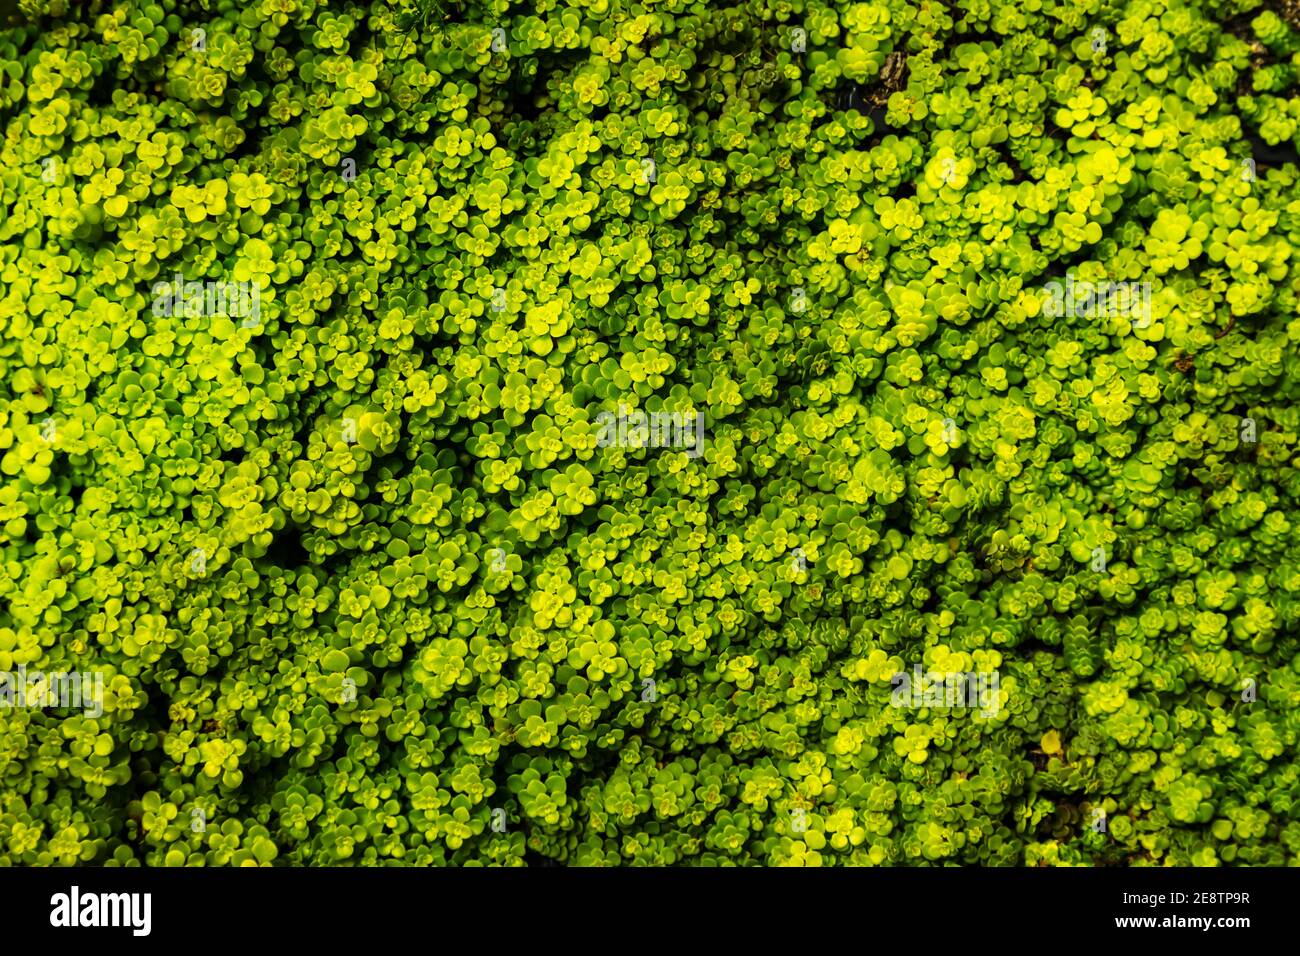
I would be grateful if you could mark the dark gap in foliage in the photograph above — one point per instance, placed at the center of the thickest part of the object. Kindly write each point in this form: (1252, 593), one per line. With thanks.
(880, 128)
(527, 103)
(255, 136)
(10, 15)
(306, 417)
(287, 550)
(1018, 174)
(1063, 264)
(1266, 154)
(100, 94)
(533, 858)
(155, 714)
(849, 97)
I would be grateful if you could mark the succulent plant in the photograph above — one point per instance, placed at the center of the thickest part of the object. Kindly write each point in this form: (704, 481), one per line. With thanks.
(990, 345)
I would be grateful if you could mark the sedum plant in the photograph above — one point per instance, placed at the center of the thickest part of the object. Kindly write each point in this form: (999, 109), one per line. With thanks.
(986, 317)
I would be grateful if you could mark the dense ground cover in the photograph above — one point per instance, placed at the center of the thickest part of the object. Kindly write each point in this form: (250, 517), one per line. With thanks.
(989, 309)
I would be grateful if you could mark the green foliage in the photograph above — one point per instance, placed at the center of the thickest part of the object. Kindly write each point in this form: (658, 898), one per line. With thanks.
(362, 582)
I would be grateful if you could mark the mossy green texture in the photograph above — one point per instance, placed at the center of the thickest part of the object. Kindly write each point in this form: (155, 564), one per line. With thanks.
(365, 588)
